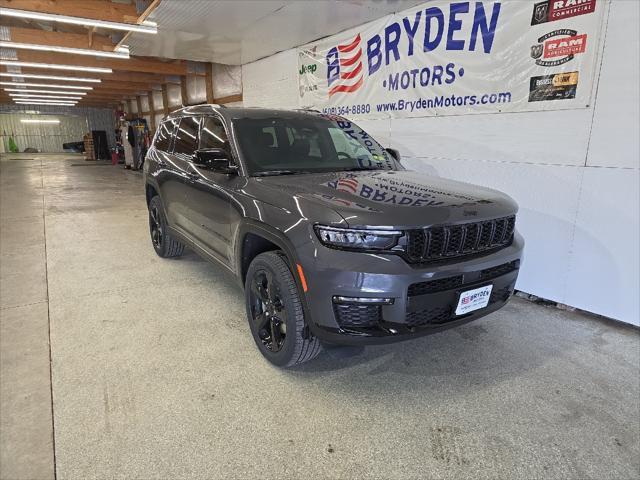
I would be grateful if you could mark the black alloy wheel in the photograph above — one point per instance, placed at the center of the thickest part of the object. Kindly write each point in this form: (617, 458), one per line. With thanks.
(155, 227)
(275, 313)
(163, 242)
(268, 311)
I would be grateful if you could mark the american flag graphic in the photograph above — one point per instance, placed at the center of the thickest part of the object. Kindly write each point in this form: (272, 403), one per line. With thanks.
(348, 184)
(344, 62)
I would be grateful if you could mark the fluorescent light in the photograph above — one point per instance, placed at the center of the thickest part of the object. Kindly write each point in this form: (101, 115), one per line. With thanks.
(30, 90)
(48, 85)
(50, 77)
(146, 27)
(53, 100)
(41, 95)
(66, 104)
(121, 53)
(33, 120)
(52, 66)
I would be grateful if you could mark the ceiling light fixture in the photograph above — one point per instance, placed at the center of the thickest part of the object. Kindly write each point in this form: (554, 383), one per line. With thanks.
(44, 102)
(49, 104)
(33, 120)
(50, 77)
(120, 53)
(145, 27)
(47, 85)
(53, 66)
(54, 100)
(40, 95)
(29, 90)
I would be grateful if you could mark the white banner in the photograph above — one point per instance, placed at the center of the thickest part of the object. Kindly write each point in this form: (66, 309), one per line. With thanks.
(452, 58)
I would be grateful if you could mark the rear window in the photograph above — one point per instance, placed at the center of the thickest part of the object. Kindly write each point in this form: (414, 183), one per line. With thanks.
(187, 136)
(163, 138)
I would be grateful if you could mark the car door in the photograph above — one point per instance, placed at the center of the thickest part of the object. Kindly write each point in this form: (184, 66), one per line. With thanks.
(165, 170)
(184, 146)
(209, 195)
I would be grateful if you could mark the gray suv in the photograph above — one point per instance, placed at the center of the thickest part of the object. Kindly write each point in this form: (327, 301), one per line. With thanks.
(333, 240)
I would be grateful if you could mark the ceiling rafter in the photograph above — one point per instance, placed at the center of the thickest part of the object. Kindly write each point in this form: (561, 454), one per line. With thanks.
(93, 9)
(120, 76)
(132, 64)
(129, 78)
(60, 39)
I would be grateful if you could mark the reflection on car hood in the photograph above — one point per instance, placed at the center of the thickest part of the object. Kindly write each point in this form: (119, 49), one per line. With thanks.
(399, 198)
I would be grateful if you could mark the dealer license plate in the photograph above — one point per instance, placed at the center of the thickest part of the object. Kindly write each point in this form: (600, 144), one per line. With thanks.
(472, 300)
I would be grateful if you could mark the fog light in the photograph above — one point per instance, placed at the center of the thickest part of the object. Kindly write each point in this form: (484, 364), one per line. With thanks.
(363, 300)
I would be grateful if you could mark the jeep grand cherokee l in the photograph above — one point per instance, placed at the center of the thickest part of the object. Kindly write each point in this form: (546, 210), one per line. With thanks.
(333, 240)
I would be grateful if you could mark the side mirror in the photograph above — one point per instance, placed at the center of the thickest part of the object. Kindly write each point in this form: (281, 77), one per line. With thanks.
(215, 159)
(394, 153)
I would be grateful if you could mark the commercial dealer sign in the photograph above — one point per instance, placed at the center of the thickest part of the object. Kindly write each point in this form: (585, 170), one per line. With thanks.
(452, 58)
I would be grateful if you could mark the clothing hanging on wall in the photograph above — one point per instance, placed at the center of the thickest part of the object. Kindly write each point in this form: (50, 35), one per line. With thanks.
(140, 133)
(127, 143)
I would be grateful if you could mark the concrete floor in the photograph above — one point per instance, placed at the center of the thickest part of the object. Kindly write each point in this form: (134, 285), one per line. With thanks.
(155, 375)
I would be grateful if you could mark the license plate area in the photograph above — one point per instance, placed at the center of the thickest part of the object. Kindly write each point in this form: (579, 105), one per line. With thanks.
(473, 299)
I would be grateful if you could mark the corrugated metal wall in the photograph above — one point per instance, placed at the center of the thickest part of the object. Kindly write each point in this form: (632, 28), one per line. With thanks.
(44, 137)
(74, 123)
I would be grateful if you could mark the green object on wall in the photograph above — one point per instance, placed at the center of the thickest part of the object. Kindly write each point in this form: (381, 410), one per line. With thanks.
(13, 148)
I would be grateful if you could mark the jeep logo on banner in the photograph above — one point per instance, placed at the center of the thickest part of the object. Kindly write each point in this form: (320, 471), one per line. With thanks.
(449, 58)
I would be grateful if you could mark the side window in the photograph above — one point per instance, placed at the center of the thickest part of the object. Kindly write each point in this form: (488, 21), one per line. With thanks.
(163, 137)
(187, 136)
(213, 134)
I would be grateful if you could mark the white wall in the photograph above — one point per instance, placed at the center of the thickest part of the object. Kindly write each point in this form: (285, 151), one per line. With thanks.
(574, 173)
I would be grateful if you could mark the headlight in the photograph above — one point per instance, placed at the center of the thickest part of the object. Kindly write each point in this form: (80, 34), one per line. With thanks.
(357, 239)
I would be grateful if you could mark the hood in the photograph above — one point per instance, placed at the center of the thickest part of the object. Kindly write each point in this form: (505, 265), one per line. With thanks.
(394, 198)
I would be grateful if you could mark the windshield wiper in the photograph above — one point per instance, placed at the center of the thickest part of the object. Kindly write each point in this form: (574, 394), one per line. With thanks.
(269, 173)
(358, 169)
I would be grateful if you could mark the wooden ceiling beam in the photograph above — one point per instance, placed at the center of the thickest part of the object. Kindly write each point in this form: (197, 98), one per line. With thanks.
(105, 85)
(149, 78)
(133, 64)
(60, 39)
(150, 8)
(110, 85)
(117, 91)
(118, 76)
(94, 9)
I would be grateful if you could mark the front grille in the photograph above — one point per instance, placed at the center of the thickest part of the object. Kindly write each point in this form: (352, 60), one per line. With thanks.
(441, 242)
(499, 270)
(433, 286)
(353, 315)
(429, 316)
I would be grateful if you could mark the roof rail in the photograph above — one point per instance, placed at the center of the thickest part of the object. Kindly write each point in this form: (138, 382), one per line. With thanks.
(204, 104)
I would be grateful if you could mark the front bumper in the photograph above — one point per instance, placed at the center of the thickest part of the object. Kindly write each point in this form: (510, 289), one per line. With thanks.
(424, 299)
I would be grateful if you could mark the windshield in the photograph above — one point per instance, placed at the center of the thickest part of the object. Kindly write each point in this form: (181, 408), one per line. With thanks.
(305, 144)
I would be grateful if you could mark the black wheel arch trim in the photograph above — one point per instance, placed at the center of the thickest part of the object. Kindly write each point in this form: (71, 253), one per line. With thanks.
(279, 239)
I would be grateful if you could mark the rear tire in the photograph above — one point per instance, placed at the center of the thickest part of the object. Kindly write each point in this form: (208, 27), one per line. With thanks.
(275, 313)
(163, 242)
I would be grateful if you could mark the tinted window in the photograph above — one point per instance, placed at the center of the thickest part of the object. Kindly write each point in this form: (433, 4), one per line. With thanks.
(212, 134)
(305, 143)
(187, 136)
(163, 138)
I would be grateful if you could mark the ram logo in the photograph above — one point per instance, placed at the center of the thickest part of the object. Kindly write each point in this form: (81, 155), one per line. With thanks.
(536, 51)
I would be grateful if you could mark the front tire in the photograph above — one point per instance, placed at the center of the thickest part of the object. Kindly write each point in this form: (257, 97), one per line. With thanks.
(163, 242)
(275, 312)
